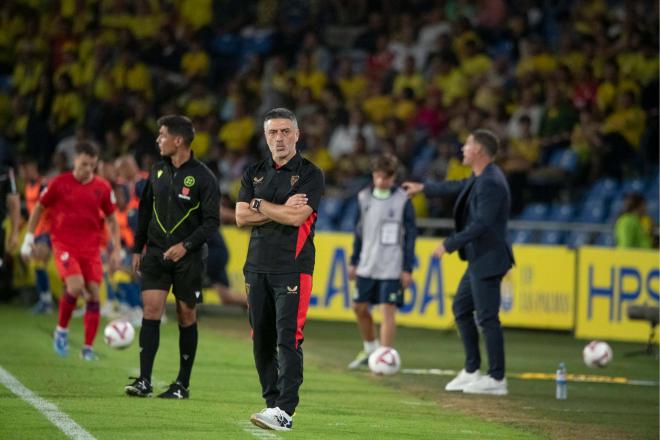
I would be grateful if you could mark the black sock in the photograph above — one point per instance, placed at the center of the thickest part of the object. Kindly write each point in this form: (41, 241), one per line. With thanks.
(149, 341)
(187, 350)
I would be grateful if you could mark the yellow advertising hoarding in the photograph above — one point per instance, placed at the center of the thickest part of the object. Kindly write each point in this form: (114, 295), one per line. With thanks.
(610, 280)
(538, 293)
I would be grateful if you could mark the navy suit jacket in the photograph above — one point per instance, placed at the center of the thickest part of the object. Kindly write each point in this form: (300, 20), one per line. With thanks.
(481, 213)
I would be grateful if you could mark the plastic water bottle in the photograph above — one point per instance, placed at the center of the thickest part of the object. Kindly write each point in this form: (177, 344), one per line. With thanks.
(562, 384)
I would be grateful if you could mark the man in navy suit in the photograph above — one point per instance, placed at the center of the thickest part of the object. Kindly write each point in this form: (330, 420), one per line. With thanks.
(480, 214)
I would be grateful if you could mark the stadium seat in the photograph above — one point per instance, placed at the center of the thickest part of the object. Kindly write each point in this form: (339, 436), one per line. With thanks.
(552, 237)
(633, 185)
(565, 159)
(578, 238)
(535, 212)
(521, 236)
(562, 213)
(603, 189)
(592, 212)
(605, 239)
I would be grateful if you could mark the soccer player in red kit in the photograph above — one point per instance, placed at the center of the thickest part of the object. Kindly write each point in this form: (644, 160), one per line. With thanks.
(75, 200)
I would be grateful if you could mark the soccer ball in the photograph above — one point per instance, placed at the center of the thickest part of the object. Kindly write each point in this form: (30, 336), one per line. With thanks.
(597, 354)
(118, 333)
(385, 361)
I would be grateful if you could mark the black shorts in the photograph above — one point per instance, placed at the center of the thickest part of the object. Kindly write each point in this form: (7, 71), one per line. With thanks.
(379, 291)
(184, 276)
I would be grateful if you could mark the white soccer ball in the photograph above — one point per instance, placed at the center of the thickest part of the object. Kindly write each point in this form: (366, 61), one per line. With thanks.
(597, 354)
(385, 361)
(118, 333)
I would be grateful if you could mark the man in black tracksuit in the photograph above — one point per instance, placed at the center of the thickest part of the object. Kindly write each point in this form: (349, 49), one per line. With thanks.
(279, 198)
(179, 210)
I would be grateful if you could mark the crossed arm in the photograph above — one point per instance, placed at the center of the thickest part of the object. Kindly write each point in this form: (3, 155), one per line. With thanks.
(293, 213)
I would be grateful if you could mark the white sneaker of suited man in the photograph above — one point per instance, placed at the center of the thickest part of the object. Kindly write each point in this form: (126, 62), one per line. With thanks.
(462, 380)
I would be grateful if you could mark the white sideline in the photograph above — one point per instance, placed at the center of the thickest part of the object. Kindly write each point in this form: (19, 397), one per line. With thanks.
(65, 423)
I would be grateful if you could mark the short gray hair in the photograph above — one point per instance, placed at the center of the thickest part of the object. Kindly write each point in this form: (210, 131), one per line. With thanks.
(281, 113)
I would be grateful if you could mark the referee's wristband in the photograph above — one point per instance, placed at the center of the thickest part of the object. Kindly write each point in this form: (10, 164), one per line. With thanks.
(256, 203)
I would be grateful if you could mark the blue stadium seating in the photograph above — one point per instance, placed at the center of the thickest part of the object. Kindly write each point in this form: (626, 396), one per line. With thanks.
(563, 212)
(565, 160)
(633, 185)
(603, 189)
(605, 239)
(330, 208)
(521, 236)
(552, 237)
(535, 212)
(578, 238)
(592, 212)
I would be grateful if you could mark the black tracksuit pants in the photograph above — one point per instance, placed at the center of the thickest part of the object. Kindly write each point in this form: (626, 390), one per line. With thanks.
(278, 306)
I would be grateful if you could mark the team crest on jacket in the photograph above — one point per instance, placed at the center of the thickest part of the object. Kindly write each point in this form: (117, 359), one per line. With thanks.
(257, 180)
(294, 179)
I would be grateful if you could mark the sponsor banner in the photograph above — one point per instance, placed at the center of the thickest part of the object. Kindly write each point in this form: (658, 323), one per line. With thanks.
(609, 281)
(539, 291)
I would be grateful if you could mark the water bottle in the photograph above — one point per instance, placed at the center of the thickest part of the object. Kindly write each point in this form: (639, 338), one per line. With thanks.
(562, 384)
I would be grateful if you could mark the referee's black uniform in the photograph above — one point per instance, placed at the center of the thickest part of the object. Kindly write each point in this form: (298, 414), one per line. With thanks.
(278, 276)
(178, 205)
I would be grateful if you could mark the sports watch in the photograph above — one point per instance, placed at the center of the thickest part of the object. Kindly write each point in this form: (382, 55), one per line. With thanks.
(256, 203)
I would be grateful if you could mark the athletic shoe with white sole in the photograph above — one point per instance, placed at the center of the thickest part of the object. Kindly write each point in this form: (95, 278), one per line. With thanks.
(272, 418)
(42, 308)
(462, 380)
(139, 388)
(61, 342)
(362, 359)
(87, 353)
(175, 391)
(487, 385)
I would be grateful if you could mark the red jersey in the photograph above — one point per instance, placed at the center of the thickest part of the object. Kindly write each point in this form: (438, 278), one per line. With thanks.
(75, 220)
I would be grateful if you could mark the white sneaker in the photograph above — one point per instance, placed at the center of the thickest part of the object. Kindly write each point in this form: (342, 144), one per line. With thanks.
(362, 359)
(487, 385)
(462, 380)
(272, 418)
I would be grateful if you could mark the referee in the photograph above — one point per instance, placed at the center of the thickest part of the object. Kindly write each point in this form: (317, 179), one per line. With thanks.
(279, 198)
(179, 210)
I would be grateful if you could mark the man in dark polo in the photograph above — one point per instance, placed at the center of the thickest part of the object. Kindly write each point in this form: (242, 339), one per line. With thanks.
(279, 198)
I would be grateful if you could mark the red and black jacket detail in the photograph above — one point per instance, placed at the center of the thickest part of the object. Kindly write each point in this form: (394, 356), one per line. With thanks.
(275, 247)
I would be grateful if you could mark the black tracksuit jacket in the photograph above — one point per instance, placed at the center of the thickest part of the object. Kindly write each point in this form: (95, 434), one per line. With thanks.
(178, 205)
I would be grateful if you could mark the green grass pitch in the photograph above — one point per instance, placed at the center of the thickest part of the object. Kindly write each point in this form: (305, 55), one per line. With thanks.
(335, 403)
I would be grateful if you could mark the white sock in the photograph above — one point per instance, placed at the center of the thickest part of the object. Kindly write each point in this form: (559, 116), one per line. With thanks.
(46, 297)
(371, 346)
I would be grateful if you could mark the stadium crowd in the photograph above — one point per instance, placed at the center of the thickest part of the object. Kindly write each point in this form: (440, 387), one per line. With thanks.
(570, 87)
